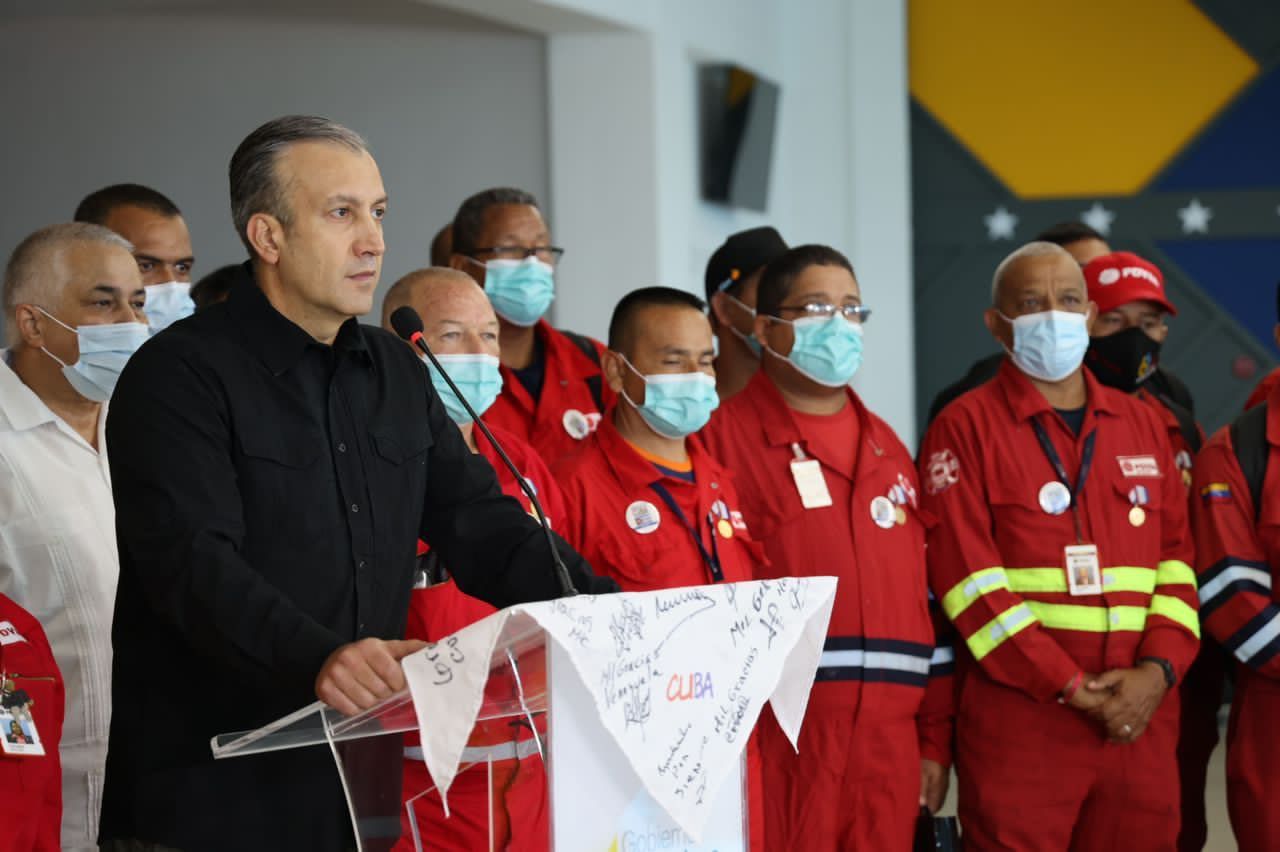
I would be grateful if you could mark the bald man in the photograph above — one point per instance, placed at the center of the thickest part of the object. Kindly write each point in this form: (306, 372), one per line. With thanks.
(72, 296)
(1062, 558)
(461, 329)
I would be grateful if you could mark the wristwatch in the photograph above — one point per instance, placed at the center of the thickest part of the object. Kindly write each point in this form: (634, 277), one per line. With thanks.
(1170, 679)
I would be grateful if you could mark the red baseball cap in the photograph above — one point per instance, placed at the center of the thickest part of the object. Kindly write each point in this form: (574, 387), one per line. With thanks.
(1121, 277)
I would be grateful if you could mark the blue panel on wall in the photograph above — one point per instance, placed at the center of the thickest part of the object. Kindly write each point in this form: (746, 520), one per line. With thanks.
(1240, 275)
(1239, 150)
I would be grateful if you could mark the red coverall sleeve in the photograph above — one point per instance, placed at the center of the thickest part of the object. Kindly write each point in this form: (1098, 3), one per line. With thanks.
(1173, 624)
(1236, 603)
(935, 721)
(967, 570)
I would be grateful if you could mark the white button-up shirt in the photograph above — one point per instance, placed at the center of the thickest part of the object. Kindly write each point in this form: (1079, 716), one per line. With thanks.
(58, 560)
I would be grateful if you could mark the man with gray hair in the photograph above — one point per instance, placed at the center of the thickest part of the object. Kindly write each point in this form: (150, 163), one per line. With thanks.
(1062, 558)
(275, 463)
(72, 300)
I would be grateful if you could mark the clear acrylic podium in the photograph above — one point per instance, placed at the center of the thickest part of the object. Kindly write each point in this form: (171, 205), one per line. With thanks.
(594, 799)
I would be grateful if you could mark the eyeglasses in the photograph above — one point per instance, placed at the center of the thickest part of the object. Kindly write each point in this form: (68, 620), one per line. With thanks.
(853, 313)
(547, 254)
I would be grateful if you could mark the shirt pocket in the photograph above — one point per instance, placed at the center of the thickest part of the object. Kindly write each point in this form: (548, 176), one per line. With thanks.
(1134, 523)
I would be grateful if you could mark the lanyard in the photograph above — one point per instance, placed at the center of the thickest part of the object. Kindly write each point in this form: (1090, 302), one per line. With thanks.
(711, 557)
(1086, 462)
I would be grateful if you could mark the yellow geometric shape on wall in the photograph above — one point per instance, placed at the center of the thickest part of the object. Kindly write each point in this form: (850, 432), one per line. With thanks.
(1066, 99)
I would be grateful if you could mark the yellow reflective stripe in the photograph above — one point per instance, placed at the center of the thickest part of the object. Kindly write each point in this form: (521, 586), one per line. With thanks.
(1037, 580)
(1141, 580)
(1009, 623)
(1177, 611)
(1175, 571)
(971, 588)
(1046, 581)
(1089, 619)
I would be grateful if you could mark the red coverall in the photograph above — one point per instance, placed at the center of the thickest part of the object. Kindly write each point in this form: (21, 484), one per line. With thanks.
(1200, 692)
(31, 785)
(520, 811)
(604, 479)
(1263, 390)
(855, 783)
(1237, 554)
(565, 412)
(1035, 774)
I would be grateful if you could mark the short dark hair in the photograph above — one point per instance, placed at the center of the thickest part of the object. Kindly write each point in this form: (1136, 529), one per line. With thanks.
(215, 286)
(469, 220)
(442, 246)
(779, 275)
(97, 206)
(252, 172)
(621, 324)
(1066, 233)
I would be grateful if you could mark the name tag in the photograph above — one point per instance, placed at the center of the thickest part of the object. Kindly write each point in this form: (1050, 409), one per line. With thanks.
(810, 483)
(9, 634)
(1084, 570)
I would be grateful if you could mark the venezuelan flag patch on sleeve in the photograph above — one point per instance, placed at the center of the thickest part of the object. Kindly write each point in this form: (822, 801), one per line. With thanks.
(1216, 492)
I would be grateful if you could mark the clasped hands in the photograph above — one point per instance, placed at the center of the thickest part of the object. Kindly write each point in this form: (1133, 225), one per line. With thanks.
(1122, 701)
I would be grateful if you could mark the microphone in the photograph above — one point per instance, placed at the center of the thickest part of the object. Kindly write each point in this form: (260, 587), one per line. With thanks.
(408, 325)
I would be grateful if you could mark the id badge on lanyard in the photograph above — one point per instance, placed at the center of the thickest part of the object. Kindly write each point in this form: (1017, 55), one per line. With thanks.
(810, 481)
(1080, 560)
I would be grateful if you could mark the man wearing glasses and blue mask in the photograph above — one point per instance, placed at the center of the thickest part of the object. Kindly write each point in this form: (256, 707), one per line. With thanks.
(553, 392)
(72, 296)
(733, 275)
(161, 245)
(829, 489)
(1061, 555)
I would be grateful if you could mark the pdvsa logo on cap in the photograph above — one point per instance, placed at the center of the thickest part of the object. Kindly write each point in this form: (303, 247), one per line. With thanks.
(1112, 275)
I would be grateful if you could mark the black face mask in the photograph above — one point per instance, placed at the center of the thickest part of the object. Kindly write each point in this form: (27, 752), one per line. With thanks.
(1123, 360)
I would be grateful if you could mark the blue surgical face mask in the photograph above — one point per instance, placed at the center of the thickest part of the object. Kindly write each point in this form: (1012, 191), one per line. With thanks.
(827, 350)
(477, 376)
(167, 303)
(519, 290)
(1049, 345)
(675, 404)
(104, 349)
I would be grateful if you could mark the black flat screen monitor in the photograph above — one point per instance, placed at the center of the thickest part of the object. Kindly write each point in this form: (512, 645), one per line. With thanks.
(737, 114)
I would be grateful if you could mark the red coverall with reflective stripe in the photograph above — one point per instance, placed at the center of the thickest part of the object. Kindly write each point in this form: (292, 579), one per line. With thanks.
(1200, 692)
(565, 411)
(855, 783)
(604, 478)
(520, 811)
(31, 785)
(1035, 774)
(1237, 559)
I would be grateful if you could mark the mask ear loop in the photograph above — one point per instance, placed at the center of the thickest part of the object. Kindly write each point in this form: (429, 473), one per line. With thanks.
(60, 362)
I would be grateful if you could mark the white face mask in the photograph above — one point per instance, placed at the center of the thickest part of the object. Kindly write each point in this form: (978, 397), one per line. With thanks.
(167, 303)
(1049, 345)
(104, 350)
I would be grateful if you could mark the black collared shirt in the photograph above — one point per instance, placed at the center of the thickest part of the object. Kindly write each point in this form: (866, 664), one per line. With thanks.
(270, 491)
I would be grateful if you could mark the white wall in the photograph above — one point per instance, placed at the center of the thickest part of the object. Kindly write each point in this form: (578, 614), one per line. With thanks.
(446, 111)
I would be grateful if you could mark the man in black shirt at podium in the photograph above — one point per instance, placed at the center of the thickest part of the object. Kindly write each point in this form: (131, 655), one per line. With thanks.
(274, 464)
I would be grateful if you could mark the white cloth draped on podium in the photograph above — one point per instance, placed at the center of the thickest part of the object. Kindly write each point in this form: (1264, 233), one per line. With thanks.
(678, 677)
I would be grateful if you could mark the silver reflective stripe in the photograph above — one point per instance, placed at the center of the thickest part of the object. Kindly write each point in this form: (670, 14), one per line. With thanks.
(480, 754)
(1259, 640)
(942, 654)
(873, 660)
(1232, 574)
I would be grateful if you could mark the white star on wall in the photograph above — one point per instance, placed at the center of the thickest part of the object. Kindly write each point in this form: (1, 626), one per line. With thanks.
(1000, 224)
(1195, 217)
(1099, 218)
